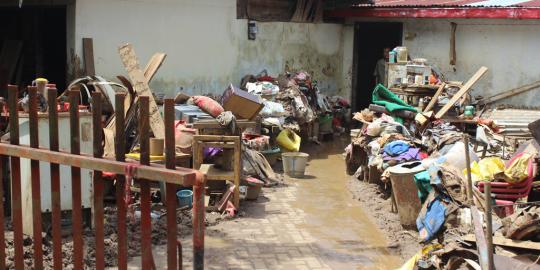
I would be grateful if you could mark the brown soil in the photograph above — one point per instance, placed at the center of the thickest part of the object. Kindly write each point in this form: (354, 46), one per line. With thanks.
(376, 202)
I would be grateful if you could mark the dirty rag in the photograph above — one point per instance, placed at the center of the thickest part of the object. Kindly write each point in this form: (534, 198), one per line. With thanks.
(396, 148)
(431, 218)
(227, 119)
(411, 154)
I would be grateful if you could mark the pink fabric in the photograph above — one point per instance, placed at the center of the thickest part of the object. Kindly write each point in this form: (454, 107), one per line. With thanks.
(208, 105)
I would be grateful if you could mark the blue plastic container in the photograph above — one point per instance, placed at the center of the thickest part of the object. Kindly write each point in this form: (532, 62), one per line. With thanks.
(185, 198)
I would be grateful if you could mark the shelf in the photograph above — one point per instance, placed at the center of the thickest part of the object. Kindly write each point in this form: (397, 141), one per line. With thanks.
(213, 173)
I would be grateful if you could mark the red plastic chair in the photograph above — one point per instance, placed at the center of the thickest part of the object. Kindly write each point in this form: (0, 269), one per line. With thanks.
(513, 191)
(506, 194)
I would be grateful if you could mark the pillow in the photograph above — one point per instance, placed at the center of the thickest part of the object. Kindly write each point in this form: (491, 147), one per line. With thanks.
(208, 105)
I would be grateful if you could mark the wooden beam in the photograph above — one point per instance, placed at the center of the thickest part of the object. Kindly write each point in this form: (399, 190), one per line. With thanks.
(461, 92)
(481, 244)
(509, 93)
(180, 176)
(140, 85)
(433, 100)
(88, 55)
(453, 55)
(153, 65)
(501, 241)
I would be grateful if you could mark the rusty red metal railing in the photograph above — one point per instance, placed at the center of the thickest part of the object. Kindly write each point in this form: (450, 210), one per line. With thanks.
(144, 172)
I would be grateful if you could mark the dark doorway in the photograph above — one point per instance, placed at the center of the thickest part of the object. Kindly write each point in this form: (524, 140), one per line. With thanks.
(370, 38)
(33, 45)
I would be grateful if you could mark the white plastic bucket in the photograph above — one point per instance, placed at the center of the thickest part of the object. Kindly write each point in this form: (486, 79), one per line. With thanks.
(294, 163)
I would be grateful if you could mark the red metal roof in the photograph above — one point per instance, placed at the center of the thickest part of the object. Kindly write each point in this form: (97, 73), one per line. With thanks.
(465, 9)
(452, 3)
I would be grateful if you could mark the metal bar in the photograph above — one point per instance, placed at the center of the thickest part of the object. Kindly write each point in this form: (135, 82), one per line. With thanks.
(119, 149)
(489, 225)
(35, 179)
(98, 181)
(55, 181)
(16, 204)
(75, 181)
(146, 225)
(170, 155)
(180, 176)
(468, 161)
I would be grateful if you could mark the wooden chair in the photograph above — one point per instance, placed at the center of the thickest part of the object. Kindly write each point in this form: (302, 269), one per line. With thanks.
(212, 173)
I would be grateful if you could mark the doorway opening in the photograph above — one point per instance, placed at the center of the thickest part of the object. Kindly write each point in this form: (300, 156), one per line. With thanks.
(370, 39)
(33, 45)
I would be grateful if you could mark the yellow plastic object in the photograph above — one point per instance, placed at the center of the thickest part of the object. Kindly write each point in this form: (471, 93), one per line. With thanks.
(492, 168)
(42, 80)
(486, 169)
(411, 263)
(518, 171)
(137, 156)
(288, 140)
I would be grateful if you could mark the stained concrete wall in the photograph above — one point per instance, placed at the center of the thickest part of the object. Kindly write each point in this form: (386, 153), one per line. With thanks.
(207, 47)
(509, 48)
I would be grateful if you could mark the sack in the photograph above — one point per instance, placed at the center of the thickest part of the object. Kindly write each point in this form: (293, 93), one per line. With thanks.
(183, 137)
(208, 105)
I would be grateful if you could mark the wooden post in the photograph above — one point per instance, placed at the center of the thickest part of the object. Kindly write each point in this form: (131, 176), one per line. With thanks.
(489, 225)
(469, 178)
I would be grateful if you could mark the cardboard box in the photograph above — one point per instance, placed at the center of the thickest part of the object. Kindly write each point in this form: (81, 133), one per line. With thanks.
(241, 103)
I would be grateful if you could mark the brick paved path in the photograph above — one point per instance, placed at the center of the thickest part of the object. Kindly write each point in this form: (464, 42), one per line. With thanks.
(297, 226)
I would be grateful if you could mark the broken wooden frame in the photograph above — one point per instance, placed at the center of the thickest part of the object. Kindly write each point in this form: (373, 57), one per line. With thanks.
(144, 172)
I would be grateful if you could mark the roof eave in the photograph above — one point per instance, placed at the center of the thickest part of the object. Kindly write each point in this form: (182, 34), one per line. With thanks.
(519, 13)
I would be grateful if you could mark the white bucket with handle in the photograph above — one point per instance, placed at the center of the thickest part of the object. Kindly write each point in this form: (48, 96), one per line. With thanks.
(294, 163)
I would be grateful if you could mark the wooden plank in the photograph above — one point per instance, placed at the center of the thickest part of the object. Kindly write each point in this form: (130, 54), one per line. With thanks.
(481, 244)
(145, 202)
(489, 224)
(16, 193)
(453, 56)
(433, 100)
(119, 150)
(180, 176)
(98, 182)
(140, 85)
(461, 92)
(170, 189)
(502, 241)
(55, 182)
(88, 55)
(237, 172)
(76, 213)
(153, 65)
(509, 93)
(35, 179)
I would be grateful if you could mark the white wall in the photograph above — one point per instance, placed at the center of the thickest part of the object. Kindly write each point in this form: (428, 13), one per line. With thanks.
(509, 48)
(206, 46)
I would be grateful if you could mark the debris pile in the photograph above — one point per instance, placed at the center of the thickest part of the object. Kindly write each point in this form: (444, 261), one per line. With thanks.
(463, 180)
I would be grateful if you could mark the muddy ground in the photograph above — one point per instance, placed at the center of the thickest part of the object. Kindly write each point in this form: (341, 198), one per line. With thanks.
(159, 237)
(377, 203)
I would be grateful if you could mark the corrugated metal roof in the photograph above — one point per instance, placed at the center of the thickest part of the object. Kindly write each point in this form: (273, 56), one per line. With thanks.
(453, 3)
